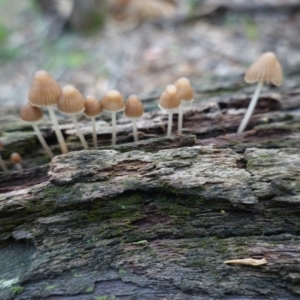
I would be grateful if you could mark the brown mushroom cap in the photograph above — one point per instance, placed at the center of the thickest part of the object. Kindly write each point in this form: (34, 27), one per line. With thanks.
(15, 158)
(134, 107)
(71, 101)
(93, 107)
(44, 91)
(185, 89)
(31, 114)
(113, 101)
(169, 100)
(265, 69)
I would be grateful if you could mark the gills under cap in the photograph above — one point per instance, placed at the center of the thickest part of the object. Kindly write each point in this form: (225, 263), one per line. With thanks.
(134, 107)
(265, 69)
(71, 101)
(44, 91)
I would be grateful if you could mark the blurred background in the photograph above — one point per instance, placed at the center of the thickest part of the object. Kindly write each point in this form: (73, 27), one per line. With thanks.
(139, 46)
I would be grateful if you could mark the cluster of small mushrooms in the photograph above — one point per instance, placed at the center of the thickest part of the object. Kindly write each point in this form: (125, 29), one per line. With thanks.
(46, 92)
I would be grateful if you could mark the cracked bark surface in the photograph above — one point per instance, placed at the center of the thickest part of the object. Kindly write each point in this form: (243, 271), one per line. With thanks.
(156, 219)
(140, 225)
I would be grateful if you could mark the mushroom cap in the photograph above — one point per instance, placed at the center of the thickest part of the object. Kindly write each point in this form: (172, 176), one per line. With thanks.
(44, 91)
(265, 69)
(71, 101)
(185, 89)
(93, 106)
(31, 114)
(134, 108)
(169, 100)
(113, 101)
(15, 158)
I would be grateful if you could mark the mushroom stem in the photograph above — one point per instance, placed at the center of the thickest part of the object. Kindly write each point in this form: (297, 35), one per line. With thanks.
(2, 164)
(250, 108)
(19, 167)
(170, 125)
(135, 132)
(95, 141)
(180, 117)
(58, 133)
(42, 140)
(114, 125)
(79, 133)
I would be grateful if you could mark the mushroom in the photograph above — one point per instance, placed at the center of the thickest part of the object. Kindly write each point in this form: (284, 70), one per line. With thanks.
(71, 102)
(113, 102)
(16, 159)
(265, 69)
(186, 95)
(93, 108)
(2, 164)
(45, 92)
(133, 110)
(32, 114)
(169, 101)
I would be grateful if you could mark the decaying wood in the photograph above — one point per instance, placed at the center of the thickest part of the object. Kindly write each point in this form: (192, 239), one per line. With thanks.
(157, 219)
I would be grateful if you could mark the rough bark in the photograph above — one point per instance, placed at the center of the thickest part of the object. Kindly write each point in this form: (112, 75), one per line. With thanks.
(138, 223)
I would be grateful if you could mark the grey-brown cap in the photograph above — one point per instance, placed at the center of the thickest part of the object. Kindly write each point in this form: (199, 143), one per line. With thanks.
(31, 114)
(134, 108)
(184, 89)
(113, 101)
(71, 101)
(93, 106)
(15, 158)
(265, 69)
(44, 91)
(169, 100)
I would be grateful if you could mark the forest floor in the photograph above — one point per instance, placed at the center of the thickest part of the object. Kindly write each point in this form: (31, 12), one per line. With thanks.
(199, 40)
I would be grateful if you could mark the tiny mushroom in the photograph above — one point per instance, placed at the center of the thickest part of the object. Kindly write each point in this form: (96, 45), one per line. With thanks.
(71, 102)
(16, 159)
(45, 92)
(186, 95)
(33, 114)
(2, 164)
(265, 69)
(133, 110)
(169, 101)
(93, 108)
(113, 102)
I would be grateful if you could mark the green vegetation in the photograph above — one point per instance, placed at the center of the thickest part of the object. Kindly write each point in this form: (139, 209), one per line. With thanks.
(17, 289)
(50, 288)
(89, 290)
(105, 298)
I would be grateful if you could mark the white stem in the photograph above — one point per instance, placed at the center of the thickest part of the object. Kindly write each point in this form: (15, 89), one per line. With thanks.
(42, 140)
(19, 167)
(58, 133)
(95, 141)
(170, 125)
(250, 108)
(2, 164)
(135, 132)
(114, 125)
(79, 133)
(180, 117)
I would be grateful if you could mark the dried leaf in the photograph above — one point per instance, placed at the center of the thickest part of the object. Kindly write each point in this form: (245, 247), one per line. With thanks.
(247, 261)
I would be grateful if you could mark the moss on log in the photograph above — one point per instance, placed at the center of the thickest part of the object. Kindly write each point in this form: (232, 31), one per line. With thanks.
(151, 225)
